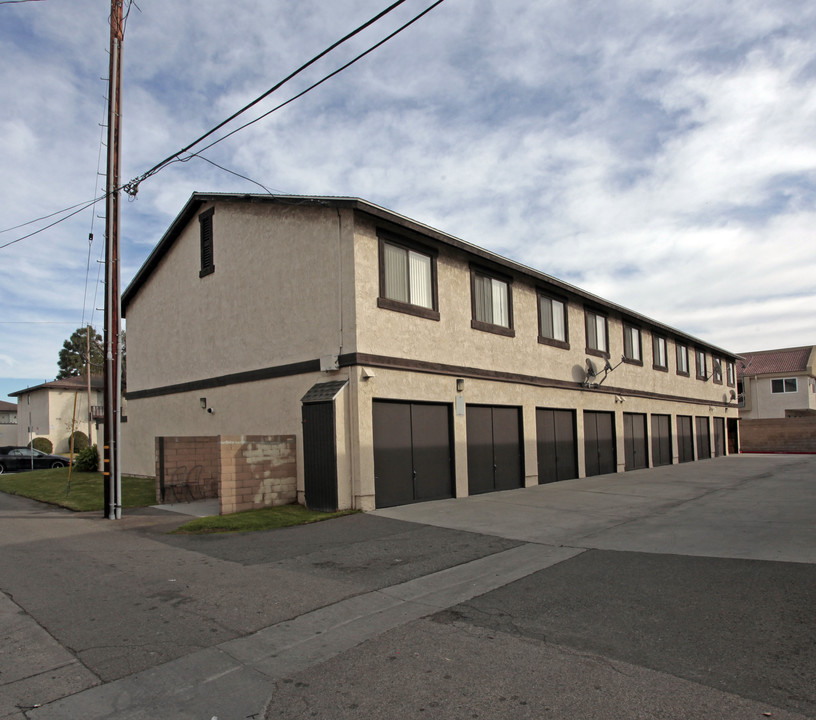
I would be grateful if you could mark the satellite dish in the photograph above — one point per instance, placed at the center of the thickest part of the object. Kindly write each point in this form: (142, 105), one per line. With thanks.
(591, 371)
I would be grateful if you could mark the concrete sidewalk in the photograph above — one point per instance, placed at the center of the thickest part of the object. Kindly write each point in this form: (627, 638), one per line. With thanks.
(118, 620)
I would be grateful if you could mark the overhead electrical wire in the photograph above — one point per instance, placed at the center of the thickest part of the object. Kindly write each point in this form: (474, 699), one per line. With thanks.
(132, 187)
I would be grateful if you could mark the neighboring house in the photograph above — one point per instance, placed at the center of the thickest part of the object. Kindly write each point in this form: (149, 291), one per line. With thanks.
(403, 363)
(777, 383)
(51, 409)
(8, 423)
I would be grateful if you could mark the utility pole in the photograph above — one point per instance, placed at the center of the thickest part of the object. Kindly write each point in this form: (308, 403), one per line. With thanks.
(113, 322)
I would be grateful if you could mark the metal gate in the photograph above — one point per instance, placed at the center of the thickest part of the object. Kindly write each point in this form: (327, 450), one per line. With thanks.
(494, 448)
(636, 455)
(599, 443)
(413, 456)
(661, 440)
(557, 450)
(685, 439)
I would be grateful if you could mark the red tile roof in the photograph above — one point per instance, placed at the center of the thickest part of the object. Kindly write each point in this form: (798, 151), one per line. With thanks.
(765, 362)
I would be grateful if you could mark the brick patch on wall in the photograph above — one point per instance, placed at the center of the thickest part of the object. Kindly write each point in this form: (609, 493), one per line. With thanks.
(243, 471)
(791, 435)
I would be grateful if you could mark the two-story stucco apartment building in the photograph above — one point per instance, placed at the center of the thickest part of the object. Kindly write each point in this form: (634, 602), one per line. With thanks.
(408, 364)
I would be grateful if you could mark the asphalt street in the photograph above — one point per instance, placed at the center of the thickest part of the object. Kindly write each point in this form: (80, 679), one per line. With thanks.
(679, 592)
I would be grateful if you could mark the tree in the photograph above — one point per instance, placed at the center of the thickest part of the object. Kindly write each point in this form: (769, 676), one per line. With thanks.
(74, 352)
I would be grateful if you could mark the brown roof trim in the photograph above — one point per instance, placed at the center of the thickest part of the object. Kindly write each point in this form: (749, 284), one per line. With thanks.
(394, 220)
(70, 383)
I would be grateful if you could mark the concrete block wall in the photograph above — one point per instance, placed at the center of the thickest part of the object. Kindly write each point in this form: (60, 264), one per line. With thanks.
(257, 471)
(792, 435)
(188, 469)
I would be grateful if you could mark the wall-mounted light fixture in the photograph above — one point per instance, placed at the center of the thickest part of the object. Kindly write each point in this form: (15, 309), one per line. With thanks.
(203, 402)
(460, 384)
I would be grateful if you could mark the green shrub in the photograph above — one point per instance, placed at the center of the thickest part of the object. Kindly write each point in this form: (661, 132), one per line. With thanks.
(87, 460)
(80, 441)
(43, 444)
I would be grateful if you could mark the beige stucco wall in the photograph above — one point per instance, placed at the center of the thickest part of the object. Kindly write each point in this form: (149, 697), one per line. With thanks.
(275, 297)
(51, 413)
(761, 403)
(453, 341)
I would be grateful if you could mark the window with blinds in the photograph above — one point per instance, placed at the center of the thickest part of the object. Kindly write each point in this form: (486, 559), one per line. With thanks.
(407, 278)
(552, 321)
(491, 303)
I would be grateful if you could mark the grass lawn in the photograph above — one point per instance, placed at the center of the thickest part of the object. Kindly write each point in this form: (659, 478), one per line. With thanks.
(86, 491)
(262, 519)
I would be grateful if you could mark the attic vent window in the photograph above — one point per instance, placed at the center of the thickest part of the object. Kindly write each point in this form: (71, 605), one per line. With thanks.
(205, 222)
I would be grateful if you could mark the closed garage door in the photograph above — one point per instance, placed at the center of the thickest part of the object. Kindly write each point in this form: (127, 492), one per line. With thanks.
(703, 439)
(719, 437)
(685, 439)
(412, 453)
(494, 449)
(557, 451)
(661, 440)
(634, 441)
(599, 443)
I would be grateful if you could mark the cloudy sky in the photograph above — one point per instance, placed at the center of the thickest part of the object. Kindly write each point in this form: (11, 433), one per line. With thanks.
(659, 154)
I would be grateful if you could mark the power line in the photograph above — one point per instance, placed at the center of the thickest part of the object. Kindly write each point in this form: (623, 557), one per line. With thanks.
(132, 187)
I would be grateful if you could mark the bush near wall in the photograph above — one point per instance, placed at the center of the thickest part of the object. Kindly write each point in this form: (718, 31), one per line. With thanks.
(43, 444)
(80, 441)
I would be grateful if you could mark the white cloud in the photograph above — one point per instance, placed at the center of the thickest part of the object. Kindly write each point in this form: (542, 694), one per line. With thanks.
(656, 154)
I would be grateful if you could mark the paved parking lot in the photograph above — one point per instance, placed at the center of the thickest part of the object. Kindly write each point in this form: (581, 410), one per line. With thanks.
(686, 591)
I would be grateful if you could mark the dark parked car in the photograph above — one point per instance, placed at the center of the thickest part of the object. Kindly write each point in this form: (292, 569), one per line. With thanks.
(15, 459)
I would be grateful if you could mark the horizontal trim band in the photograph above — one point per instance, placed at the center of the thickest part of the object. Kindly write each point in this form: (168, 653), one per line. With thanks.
(392, 363)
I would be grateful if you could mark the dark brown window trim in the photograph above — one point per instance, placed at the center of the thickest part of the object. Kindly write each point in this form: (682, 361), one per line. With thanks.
(631, 360)
(543, 339)
(714, 373)
(655, 366)
(594, 351)
(491, 328)
(698, 375)
(732, 382)
(479, 324)
(407, 308)
(554, 343)
(207, 245)
(682, 373)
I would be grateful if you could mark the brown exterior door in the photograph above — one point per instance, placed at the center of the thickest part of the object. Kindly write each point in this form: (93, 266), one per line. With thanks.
(599, 443)
(412, 453)
(733, 436)
(661, 440)
(719, 437)
(557, 450)
(319, 456)
(494, 449)
(685, 439)
(634, 441)
(703, 439)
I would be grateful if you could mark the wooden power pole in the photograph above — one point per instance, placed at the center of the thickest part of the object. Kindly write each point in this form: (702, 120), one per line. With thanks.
(113, 322)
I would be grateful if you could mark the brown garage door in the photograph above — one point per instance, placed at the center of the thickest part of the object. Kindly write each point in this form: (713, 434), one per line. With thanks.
(413, 456)
(661, 440)
(494, 448)
(719, 437)
(703, 439)
(557, 451)
(685, 439)
(634, 441)
(599, 443)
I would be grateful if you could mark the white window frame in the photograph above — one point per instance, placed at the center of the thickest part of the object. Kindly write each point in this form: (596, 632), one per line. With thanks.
(784, 390)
